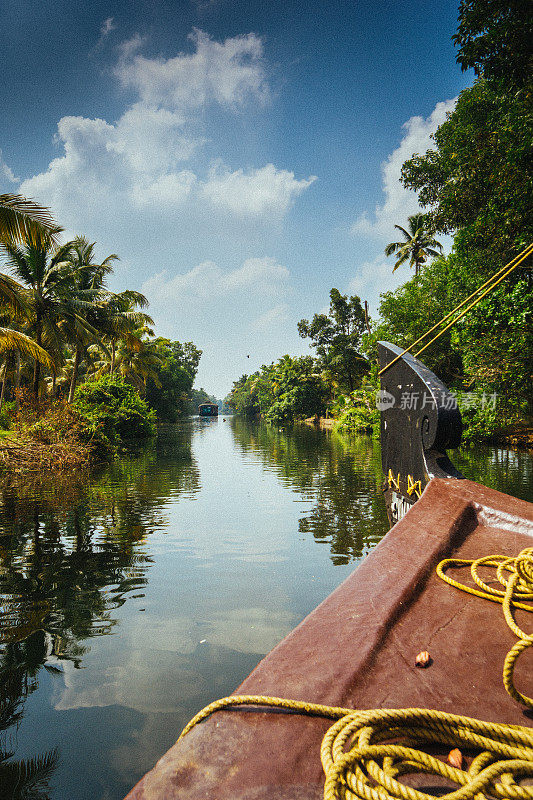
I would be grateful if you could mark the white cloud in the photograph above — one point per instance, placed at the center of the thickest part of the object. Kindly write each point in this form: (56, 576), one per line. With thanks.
(6, 171)
(271, 318)
(144, 160)
(373, 277)
(167, 190)
(108, 25)
(261, 277)
(226, 73)
(143, 186)
(261, 191)
(400, 202)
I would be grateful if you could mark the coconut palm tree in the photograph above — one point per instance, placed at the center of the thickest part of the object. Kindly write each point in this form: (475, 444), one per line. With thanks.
(47, 280)
(418, 244)
(120, 319)
(139, 364)
(20, 221)
(88, 288)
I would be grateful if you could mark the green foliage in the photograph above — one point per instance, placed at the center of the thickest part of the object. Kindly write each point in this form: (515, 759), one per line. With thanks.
(283, 392)
(418, 243)
(494, 37)
(6, 413)
(243, 396)
(196, 397)
(478, 181)
(170, 396)
(112, 410)
(337, 339)
(480, 172)
(414, 308)
(482, 418)
(357, 412)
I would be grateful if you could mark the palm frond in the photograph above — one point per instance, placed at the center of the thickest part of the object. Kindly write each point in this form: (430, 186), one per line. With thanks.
(12, 296)
(405, 233)
(13, 340)
(403, 258)
(23, 220)
(392, 247)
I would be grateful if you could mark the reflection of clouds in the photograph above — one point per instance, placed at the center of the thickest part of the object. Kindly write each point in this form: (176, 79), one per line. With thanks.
(153, 680)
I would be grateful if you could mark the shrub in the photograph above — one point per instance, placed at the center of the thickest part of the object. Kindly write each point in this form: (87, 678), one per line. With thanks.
(357, 412)
(482, 420)
(112, 410)
(6, 414)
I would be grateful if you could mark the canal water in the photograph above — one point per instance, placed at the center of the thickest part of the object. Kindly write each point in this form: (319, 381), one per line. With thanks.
(130, 601)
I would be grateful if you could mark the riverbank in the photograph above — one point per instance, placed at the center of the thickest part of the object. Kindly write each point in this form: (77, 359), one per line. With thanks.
(519, 437)
(53, 436)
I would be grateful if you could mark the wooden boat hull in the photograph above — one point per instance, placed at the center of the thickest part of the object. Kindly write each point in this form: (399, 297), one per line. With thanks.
(358, 648)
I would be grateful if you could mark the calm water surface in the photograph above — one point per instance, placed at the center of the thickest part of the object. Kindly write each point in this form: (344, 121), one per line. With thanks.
(128, 603)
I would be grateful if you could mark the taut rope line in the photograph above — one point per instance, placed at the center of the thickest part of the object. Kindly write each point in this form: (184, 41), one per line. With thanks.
(493, 281)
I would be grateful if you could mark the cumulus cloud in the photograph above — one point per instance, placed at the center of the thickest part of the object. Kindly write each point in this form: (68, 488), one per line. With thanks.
(227, 73)
(260, 277)
(261, 191)
(143, 185)
(150, 158)
(400, 202)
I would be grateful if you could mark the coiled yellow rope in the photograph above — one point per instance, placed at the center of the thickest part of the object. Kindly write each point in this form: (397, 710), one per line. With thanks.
(516, 576)
(365, 752)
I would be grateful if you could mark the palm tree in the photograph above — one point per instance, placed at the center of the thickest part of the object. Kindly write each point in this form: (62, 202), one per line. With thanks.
(120, 319)
(88, 288)
(418, 244)
(139, 364)
(22, 219)
(47, 280)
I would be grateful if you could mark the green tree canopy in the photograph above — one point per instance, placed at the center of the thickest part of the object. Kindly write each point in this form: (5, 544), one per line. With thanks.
(480, 173)
(337, 339)
(170, 394)
(494, 37)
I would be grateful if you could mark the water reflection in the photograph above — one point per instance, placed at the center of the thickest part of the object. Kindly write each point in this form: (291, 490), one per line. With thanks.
(509, 471)
(130, 600)
(70, 556)
(340, 476)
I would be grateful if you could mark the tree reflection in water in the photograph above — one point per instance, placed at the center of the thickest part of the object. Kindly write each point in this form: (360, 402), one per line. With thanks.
(343, 479)
(69, 556)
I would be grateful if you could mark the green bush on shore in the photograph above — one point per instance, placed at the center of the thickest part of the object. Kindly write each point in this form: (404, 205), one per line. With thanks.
(53, 436)
(112, 411)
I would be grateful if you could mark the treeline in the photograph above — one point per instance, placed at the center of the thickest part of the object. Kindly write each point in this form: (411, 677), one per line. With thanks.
(476, 183)
(79, 363)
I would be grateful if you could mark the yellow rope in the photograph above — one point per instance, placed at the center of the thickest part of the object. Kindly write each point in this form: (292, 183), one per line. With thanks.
(516, 576)
(365, 752)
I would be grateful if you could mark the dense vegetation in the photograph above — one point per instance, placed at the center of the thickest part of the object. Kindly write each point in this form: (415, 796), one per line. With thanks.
(476, 183)
(82, 373)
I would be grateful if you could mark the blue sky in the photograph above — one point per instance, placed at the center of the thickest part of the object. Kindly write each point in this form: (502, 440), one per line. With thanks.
(241, 157)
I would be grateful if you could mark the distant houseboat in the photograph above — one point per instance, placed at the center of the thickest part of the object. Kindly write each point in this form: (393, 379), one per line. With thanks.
(208, 410)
